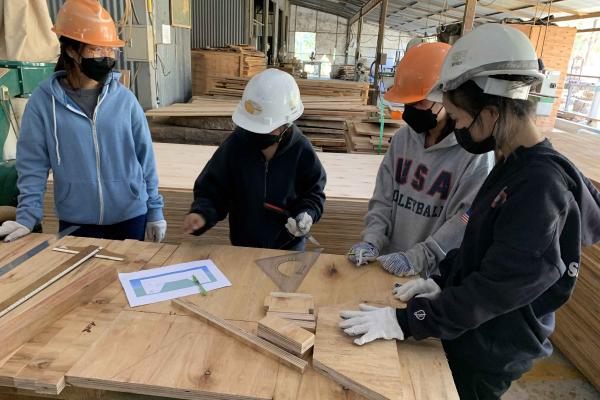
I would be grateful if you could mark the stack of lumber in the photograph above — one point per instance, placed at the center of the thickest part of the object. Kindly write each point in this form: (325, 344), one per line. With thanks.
(234, 61)
(554, 45)
(324, 121)
(234, 87)
(350, 184)
(346, 72)
(204, 120)
(577, 331)
(285, 334)
(298, 308)
(363, 137)
(207, 120)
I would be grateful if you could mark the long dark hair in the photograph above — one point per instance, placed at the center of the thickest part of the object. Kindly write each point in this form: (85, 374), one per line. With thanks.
(65, 61)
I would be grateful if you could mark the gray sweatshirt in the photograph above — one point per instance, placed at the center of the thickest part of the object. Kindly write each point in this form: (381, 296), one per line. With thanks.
(422, 197)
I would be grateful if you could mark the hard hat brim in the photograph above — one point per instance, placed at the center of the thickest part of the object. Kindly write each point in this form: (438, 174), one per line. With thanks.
(116, 43)
(436, 94)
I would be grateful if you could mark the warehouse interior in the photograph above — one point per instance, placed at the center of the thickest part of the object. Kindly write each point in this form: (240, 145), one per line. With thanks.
(188, 64)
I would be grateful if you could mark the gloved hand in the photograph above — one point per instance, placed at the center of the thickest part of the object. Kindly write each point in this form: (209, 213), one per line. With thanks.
(363, 253)
(156, 231)
(12, 230)
(300, 226)
(417, 287)
(371, 322)
(397, 264)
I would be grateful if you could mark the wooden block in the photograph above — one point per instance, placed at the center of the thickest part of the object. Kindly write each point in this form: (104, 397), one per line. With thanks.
(290, 302)
(243, 336)
(30, 319)
(372, 370)
(285, 333)
(174, 356)
(293, 316)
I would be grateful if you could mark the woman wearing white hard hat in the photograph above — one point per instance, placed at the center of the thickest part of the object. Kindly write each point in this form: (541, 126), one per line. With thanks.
(493, 304)
(266, 175)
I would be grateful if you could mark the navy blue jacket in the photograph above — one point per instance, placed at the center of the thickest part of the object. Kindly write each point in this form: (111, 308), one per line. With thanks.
(517, 264)
(238, 181)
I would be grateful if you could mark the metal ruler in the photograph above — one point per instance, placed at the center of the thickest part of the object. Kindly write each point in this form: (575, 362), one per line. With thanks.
(26, 256)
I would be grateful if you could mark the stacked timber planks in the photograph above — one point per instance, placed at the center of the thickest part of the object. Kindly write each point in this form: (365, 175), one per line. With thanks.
(350, 184)
(363, 137)
(204, 119)
(346, 72)
(577, 331)
(233, 61)
(234, 87)
(285, 334)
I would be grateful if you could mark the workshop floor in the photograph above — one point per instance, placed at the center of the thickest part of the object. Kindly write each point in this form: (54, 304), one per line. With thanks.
(553, 378)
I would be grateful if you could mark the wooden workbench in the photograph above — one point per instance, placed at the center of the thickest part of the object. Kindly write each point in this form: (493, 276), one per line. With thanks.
(42, 363)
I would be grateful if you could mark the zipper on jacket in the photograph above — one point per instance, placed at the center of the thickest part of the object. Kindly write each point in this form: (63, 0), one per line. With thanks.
(96, 150)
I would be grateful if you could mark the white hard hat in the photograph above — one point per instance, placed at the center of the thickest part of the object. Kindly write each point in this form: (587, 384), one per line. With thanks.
(271, 99)
(486, 51)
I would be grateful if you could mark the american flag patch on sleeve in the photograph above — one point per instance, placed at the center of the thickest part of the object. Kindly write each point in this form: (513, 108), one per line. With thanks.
(465, 217)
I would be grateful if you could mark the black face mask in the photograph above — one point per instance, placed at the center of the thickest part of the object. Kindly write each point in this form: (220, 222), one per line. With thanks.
(464, 138)
(262, 141)
(420, 121)
(97, 68)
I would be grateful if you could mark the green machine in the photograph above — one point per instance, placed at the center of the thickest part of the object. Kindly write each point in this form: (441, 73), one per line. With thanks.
(17, 79)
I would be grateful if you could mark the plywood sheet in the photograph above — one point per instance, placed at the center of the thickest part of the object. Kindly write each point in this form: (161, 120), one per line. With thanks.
(174, 356)
(372, 370)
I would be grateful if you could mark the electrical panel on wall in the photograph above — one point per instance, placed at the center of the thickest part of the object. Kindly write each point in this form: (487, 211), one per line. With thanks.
(139, 43)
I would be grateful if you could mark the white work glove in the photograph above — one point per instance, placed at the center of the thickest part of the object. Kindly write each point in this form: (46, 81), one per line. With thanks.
(371, 322)
(362, 253)
(299, 226)
(417, 288)
(12, 230)
(156, 231)
(397, 264)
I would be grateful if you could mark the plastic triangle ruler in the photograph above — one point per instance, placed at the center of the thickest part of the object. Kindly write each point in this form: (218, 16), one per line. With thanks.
(289, 282)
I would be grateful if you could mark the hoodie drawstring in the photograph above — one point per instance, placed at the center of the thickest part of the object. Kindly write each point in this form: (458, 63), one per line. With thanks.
(55, 131)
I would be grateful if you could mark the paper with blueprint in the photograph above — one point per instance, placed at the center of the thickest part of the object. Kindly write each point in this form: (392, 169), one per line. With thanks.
(166, 283)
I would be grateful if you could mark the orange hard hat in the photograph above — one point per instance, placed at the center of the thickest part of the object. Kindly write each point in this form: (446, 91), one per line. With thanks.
(417, 72)
(87, 22)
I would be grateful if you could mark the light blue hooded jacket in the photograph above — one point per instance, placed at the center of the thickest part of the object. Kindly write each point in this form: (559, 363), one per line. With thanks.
(103, 168)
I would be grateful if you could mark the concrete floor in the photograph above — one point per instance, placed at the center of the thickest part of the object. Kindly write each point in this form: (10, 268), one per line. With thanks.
(552, 378)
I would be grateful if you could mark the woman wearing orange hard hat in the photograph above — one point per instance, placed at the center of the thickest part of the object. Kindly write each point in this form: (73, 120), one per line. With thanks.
(426, 181)
(90, 130)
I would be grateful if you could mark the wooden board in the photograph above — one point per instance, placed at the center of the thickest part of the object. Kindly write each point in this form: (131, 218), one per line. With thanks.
(285, 334)
(41, 363)
(33, 317)
(21, 287)
(372, 370)
(582, 149)
(243, 336)
(174, 356)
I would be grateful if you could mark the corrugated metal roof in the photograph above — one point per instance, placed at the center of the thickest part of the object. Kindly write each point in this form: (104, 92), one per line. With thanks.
(423, 16)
